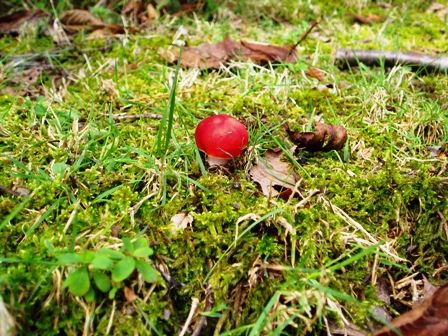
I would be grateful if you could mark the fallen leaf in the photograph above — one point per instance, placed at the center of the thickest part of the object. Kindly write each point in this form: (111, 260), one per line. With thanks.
(27, 77)
(325, 138)
(270, 53)
(181, 222)
(383, 290)
(129, 294)
(434, 7)
(134, 8)
(347, 329)
(274, 176)
(366, 20)
(214, 56)
(428, 319)
(12, 23)
(76, 20)
(315, 73)
(151, 12)
(114, 230)
(109, 30)
(428, 290)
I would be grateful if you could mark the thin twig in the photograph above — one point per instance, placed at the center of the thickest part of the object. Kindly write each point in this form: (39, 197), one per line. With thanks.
(194, 305)
(304, 36)
(429, 63)
(167, 277)
(137, 116)
(209, 300)
(10, 191)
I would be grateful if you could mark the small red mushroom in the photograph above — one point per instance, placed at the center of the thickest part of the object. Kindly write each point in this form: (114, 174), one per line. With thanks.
(222, 138)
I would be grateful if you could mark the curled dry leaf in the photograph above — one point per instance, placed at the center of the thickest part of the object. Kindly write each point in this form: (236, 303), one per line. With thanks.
(76, 20)
(214, 56)
(12, 23)
(129, 294)
(151, 12)
(325, 138)
(274, 176)
(428, 319)
(315, 73)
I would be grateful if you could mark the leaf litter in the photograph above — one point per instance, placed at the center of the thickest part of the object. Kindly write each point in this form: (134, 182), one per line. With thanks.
(275, 177)
(428, 319)
(217, 55)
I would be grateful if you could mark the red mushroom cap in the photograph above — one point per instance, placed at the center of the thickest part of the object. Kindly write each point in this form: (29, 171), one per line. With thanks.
(221, 136)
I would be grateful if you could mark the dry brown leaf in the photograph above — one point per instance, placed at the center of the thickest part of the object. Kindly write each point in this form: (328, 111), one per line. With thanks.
(274, 176)
(315, 73)
(428, 319)
(366, 20)
(434, 7)
(325, 138)
(133, 7)
(129, 294)
(270, 53)
(151, 12)
(428, 290)
(76, 20)
(28, 77)
(109, 30)
(214, 56)
(12, 23)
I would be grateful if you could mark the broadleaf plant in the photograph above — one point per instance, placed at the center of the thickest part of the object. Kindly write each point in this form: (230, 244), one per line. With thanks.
(105, 269)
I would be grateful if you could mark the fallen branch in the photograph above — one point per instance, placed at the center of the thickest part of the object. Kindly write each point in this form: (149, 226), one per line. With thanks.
(347, 57)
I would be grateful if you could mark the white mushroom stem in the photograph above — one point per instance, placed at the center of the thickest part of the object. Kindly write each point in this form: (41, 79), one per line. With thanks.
(214, 161)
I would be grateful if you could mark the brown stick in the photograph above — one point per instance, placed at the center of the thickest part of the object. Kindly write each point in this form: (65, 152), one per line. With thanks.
(347, 57)
(314, 24)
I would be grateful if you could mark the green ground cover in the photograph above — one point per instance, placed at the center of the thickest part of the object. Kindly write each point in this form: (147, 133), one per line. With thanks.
(102, 189)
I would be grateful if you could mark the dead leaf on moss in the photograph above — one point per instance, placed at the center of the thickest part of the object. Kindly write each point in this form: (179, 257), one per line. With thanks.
(428, 319)
(315, 73)
(12, 23)
(215, 55)
(75, 20)
(151, 12)
(366, 20)
(109, 30)
(438, 9)
(181, 222)
(129, 294)
(325, 138)
(434, 7)
(274, 176)
(133, 8)
(270, 53)
(27, 77)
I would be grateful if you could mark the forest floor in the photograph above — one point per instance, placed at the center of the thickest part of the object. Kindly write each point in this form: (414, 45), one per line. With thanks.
(112, 221)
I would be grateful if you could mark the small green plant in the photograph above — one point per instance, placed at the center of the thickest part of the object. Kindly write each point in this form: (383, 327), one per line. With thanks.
(105, 270)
